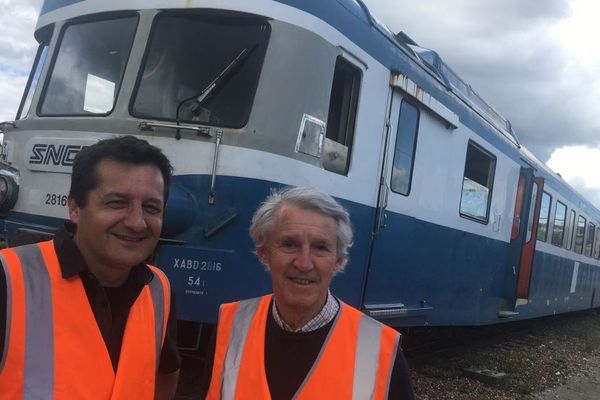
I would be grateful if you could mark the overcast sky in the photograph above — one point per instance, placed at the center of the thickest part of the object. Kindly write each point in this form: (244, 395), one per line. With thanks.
(536, 61)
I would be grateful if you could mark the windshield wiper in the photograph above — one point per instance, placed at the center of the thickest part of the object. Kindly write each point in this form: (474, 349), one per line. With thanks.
(220, 78)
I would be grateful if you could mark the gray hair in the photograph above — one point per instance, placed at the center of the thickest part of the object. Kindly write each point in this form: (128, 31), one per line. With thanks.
(307, 198)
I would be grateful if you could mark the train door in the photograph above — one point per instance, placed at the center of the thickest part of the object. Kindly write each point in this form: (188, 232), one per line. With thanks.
(399, 247)
(384, 291)
(523, 238)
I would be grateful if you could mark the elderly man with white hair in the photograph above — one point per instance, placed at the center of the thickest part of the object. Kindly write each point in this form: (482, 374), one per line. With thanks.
(302, 342)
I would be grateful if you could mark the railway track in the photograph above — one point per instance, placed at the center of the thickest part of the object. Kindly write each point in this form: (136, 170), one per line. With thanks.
(518, 359)
(420, 345)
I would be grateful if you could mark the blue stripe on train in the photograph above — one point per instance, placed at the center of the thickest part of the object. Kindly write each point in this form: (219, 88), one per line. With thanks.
(458, 277)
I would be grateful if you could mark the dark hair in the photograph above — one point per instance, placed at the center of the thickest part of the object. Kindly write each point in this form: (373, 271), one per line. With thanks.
(123, 149)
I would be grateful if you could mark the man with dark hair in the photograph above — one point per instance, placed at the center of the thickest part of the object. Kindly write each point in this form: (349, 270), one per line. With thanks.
(83, 316)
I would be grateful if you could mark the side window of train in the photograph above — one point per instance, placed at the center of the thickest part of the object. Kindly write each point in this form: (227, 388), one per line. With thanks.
(406, 144)
(597, 244)
(542, 232)
(589, 239)
(89, 66)
(558, 228)
(570, 230)
(342, 117)
(478, 181)
(32, 82)
(579, 234)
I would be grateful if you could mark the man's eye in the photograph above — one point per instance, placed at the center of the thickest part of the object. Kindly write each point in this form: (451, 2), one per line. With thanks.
(322, 247)
(116, 204)
(288, 244)
(152, 209)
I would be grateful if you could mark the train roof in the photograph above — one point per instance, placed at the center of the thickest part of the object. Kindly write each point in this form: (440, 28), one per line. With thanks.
(331, 11)
(398, 52)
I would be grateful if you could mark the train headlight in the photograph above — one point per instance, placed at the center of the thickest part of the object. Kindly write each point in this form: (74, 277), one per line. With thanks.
(9, 190)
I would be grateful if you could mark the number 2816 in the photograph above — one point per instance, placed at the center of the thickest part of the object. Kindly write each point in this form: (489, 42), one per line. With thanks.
(54, 199)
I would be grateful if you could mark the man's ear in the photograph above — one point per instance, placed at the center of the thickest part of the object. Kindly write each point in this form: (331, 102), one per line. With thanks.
(340, 263)
(263, 255)
(74, 210)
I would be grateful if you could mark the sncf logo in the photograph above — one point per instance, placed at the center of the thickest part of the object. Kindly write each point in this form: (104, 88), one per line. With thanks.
(54, 154)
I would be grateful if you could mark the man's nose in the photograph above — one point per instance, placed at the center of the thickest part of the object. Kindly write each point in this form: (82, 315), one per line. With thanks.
(303, 260)
(135, 219)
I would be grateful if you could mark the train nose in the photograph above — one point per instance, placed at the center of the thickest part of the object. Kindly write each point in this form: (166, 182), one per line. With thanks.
(182, 208)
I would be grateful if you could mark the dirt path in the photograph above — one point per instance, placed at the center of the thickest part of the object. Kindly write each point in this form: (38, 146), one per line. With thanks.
(582, 387)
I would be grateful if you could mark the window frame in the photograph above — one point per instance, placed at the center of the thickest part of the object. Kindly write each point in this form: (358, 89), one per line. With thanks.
(136, 113)
(56, 52)
(544, 232)
(415, 137)
(588, 246)
(491, 179)
(346, 115)
(571, 230)
(564, 222)
(576, 248)
(42, 57)
(596, 252)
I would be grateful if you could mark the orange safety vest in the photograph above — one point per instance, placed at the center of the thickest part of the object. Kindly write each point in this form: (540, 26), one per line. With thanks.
(54, 348)
(355, 361)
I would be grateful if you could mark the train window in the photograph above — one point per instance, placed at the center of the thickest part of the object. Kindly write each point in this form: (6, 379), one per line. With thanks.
(589, 239)
(406, 144)
(570, 230)
(597, 244)
(342, 116)
(534, 193)
(201, 69)
(516, 225)
(32, 83)
(88, 68)
(558, 228)
(579, 234)
(478, 181)
(542, 232)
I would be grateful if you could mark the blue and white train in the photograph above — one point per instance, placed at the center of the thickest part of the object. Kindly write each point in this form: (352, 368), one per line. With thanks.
(455, 222)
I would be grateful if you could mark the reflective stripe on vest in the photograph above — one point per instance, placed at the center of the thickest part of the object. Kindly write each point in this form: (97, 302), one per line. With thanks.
(39, 345)
(8, 312)
(357, 348)
(241, 322)
(161, 308)
(64, 355)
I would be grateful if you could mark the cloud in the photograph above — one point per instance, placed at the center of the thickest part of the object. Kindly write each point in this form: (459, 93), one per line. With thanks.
(11, 88)
(578, 165)
(572, 162)
(513, 55)
(17, 45)
(17, 51)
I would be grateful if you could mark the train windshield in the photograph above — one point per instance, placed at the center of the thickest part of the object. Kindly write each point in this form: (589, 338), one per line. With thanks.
(87, 73)
(201, 69)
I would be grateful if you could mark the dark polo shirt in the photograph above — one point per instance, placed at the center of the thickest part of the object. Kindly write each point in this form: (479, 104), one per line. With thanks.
(110, 305)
